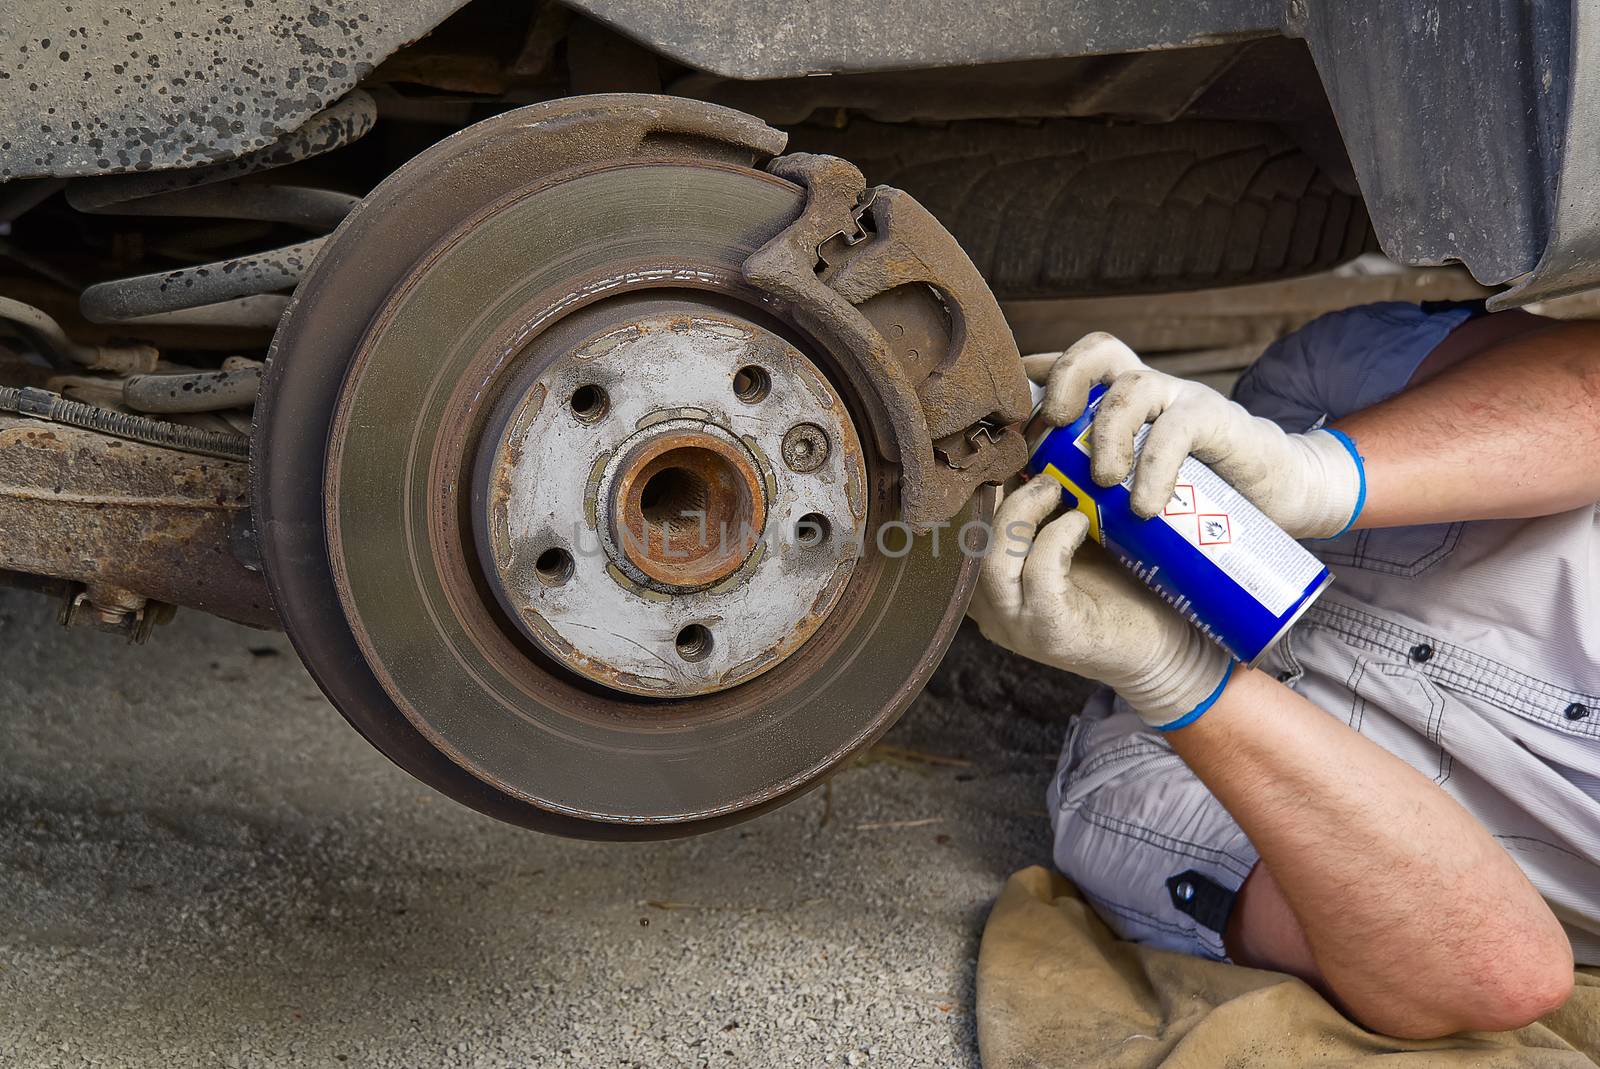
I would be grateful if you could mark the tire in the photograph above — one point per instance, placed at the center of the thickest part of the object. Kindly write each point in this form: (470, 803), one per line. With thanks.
(1074, 208)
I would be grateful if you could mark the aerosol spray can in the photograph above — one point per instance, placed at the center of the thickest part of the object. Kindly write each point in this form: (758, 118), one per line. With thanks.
(1211, 554)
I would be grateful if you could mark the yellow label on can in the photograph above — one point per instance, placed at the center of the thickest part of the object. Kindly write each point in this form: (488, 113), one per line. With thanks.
(1085, 504)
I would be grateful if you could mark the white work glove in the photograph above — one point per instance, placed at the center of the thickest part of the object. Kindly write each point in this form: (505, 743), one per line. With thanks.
(1054, 600)
(1312, 485)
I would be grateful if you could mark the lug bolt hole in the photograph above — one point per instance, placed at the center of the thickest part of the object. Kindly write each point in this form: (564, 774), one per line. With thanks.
(554, 566)
(812, 530)
(589, 403)
(694, 643)
(751, 384)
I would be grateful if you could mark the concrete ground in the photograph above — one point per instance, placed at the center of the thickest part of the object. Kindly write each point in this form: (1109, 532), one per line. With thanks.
(202, 865)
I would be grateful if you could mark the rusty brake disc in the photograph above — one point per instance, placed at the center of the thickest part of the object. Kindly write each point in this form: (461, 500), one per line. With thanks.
(544, 328)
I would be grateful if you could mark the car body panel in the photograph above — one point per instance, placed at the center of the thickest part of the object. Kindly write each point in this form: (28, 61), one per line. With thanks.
(103, 88)
(1461, 130)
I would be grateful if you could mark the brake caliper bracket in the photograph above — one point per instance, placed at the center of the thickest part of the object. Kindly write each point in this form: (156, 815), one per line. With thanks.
(849, 264)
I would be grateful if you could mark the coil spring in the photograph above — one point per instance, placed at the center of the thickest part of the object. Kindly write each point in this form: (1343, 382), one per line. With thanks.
(239, 291)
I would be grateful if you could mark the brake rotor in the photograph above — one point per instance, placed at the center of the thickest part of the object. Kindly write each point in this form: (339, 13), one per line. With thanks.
(564, 515)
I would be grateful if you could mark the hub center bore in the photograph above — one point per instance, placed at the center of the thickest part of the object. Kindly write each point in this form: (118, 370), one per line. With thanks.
(687, 508)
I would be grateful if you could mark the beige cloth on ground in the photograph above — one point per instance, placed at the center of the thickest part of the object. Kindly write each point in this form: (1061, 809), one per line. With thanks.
(1056, 988)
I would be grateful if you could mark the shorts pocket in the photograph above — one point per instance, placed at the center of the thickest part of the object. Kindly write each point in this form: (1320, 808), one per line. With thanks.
(1402, 551)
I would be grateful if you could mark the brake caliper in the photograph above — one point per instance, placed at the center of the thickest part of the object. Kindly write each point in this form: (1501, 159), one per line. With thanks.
(853, 265)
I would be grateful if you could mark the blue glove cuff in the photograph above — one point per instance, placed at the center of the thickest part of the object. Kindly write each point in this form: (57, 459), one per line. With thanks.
(1198, 711)
(1361, 474)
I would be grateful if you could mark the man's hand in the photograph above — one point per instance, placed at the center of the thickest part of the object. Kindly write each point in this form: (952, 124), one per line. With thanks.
(1068, 605)
(1311, 484)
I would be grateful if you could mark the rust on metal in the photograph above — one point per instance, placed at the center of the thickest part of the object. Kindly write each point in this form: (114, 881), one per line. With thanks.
(689, 508)
(854, 248)
(127, 520)
(458, 285)
(634, 493)
(805, 447)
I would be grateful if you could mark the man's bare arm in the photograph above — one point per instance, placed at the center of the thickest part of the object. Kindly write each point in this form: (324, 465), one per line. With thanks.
(1400, 905)
(1512, 430)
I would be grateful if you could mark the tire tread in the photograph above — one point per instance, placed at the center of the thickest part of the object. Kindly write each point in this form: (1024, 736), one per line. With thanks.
(1078, 208)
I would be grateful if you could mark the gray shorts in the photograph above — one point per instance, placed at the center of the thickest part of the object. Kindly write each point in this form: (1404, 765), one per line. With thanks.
(1144, 840)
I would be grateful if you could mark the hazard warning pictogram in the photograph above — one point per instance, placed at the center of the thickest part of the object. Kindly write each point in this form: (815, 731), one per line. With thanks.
(1182, 503)
(1215, 530)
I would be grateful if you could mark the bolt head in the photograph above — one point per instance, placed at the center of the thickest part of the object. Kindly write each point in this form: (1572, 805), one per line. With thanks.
(805, 447)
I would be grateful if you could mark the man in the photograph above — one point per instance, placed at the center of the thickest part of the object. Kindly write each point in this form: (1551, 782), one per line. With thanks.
(1402, 804)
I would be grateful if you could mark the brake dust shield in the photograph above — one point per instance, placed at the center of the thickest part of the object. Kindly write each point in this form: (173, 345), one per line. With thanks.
(579, 519)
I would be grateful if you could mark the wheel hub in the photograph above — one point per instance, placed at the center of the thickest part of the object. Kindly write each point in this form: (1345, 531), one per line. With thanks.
(650, 523)
(685, 506)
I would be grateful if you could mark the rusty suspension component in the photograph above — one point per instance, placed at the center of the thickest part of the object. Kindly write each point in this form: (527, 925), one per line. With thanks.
(124, 508)
(131, 522)
(240, 291)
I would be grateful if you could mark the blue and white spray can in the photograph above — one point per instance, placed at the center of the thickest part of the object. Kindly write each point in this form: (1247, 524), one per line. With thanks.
(1211, 554)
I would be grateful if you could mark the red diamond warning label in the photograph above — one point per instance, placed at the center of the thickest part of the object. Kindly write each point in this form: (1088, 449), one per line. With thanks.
(1215, 529)
(1182, 503)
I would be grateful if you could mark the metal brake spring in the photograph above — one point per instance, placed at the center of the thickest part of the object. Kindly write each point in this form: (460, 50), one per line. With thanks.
(244, 290)
(42, 404)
